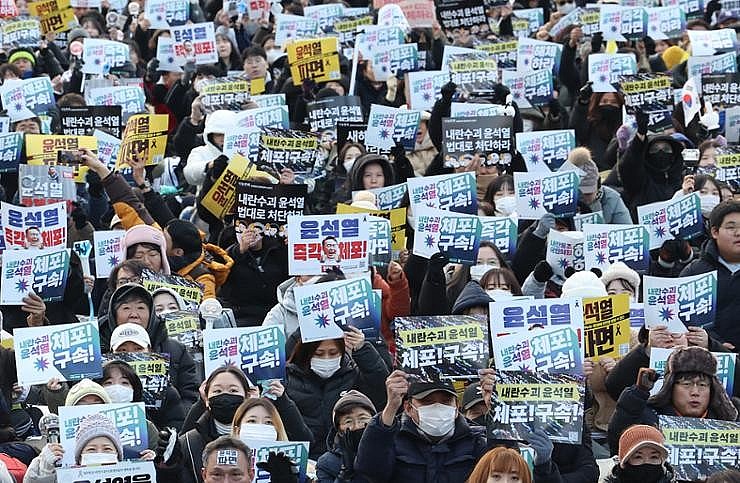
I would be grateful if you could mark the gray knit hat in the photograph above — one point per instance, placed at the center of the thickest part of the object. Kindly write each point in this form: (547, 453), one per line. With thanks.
(92, 426)
(349, 400)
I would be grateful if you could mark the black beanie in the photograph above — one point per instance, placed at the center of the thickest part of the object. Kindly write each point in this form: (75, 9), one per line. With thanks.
(185, 235)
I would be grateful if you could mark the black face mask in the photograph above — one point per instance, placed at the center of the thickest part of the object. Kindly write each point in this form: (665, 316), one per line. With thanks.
(223, 407)
(610, 114)
(351, 439)
(660, 161)
(642, 473)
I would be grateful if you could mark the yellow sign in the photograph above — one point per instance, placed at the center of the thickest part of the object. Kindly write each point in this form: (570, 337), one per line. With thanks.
(220, 198)
(254, 87)
(397, 216)
(42, 149)
(145, 138)
(606, 322)
(498, 47)
(60, 21)
(436, 335)
(315, 59)
(47, 7)
(182, 324)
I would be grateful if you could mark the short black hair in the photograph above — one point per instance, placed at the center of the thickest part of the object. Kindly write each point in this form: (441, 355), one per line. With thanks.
(185, 235)
(721, 211)
(254, 51)
(227, 442)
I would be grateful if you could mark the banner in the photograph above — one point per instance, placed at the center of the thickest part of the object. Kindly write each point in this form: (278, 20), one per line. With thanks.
(679, 302)
(665, 23)
(676, 218)
(457, 236)
(487, 138)
(552, 350)
(525, 401)
(387, 126)
(220, 198)
(23, 99)
(693, 8)
(163, 14)
(441, 347)
(34, 227)
(129, 418)
(68, 352)
(606, 326)
(502, 232)
(195, 43)
(100, 56)
(511, 316)
(722, 90)
(728, 158)
(315, 59)
(646, 91)
(184, 327)
(622, 23)
(539, 193)
(606, 244)
(395, 59)
(424, 88)
(11, 145)
(189, 290)
(397, 217)
(604, 70)
(258, 351)
(454, 192)
(58, 21)
(153, 370)
(267, 207)
(698, 448)
(324, 114)
(545, 150)
(529, 89)
(144, 139)
(318, 243)
(534, 55)
(291, 149)
(138, 471)
(84, 120)
(24, 32)
(325, 310)
(109, 251)
(388, 197)
(564, 249)
(130, 98)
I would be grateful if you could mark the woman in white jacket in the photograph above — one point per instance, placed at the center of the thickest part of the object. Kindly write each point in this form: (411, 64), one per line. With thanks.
(218, 123)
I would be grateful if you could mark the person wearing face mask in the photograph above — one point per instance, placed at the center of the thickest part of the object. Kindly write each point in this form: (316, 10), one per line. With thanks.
(332, 188)
(500, 284)
(596, 118)
(275, 420)
(318, 373)
(351, 414)
(642, 457)
(429, 442)
(489, 256)
(500, 193)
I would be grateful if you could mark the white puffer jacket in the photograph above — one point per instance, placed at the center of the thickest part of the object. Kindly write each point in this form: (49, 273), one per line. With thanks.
(218, 122)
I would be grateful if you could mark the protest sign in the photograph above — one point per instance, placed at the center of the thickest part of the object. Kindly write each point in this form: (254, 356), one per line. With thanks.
(348, 28)
(676, 218)
(184, 327)
(606, 326)
(552, 350)
(475, 73)
(24, 98)
(472, 109)
(732, 131)
(391, 14)
(220, 198)
(665, 22)
(728, 158)
(594, 218)
(266, 207)
(397, 217)
(388, 197)
(44, 185)
(466, 14)
(604, 70)
(534, 55)
(504, 52)
(380, 240)
(297, 452)
(540, 193)
(455, 235)
(269, 100)
(646, 92)
(391, 60)
(285, 148)
(189, 290)
(11, 144)
(34, 227)
(56, 16)
(387, 126)
(354, 132)
(100, 56)
(606, 244)
(130, 98)
(424, 88)
(679, 302)
(144, 139)
(721, 90)
(441, 346)
(108, 148)
(324, 14)
(138, 471)
(276, 116)
(520, 315)
(314, 59)
(692, 8)
(291, 27)
(622, 23)
(454, 192)
(163, 14)
(325, 113)
(84, 120)
(229, 94)
(42, 271)
(418, 13)
(318, 243)
(44, 149)
(153, 370)
(109, 251)
(24, 32)
(326, 310)
(698, 66)
(195, 43)
(526, 401)
(485, 139)
(129, 419)
(501, 231)
(564, 249)
(529, 89)
(712, 42)
(244, 142)
(258, 351)
(700, 447)
(68, 352)
(545, 150)
(637, 315)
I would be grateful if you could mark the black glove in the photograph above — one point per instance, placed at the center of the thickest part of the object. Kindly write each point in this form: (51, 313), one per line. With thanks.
(596, 42)
(280, 467)
(642, 122)
(674, 250)
(448, 90)
(188, 71)
(554, 107)
(713, 6)
(347, 472)
(152, 70)
(162, 456)
(398, 151)
(79, 217)
(646, 378)
(94, 184)
(438, 262)
(219, 165)
(584, 95)
(500, 93)
(308, 88)
(542, 271)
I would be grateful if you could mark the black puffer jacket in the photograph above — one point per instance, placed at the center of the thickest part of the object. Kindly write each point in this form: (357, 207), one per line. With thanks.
(315, 397)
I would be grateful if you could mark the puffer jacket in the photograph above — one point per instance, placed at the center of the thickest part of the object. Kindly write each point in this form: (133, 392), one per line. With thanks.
(218, 122)
(422, 155)
(315, 397)
(210, 269)
(616, 475)
(284, 312)
(611, 205)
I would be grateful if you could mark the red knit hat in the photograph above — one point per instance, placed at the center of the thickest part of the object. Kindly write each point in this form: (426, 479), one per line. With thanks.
(638, 436)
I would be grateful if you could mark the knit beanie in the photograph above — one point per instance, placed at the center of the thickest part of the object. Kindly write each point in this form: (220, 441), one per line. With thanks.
(86, 387)
(18, 54)
(674, 55)
(583, 284)
(638, 436)
(347, 401)
(147, 234)
(93, 426)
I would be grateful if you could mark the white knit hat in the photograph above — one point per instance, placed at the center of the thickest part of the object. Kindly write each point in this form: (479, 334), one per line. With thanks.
(583, 284)
(620, 271)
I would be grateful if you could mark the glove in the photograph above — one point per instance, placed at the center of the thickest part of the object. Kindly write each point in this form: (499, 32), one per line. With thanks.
(398, 151)
(540, 442)
(542, 271)
(48, 459)
(280, 467)
(94, 184)
(642, 122)
(219, 166)
(79, 217)
(674, 250)
(713, 6)
(448, 90)
(546, 223)
(438, 262)
(596, 42)
(152, 70)
(646, 378)
(500, 93)
(554, 107)
(347, 472)
(584, 95)
(188, 73)
(166, 446)
(308, 87)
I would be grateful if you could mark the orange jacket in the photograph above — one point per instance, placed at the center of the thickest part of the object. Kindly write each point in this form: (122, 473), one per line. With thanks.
(210, 270)
(396, 303)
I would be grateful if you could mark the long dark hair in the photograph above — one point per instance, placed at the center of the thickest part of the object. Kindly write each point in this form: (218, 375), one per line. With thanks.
(304, 351)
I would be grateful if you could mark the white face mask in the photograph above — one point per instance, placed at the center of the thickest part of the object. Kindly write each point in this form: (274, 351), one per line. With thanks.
(97, 459)
(348, 163)
(437, 419)
(498, 294)
(566, 8)
(119, 393)
(477, 271)
(325, 368)
(506, 205)
(708, 202)
(266, 432)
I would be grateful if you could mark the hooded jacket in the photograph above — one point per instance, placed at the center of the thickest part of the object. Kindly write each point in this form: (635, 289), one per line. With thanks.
(210, 269)
(472, 295)
(182, 367)
(284, 312)
(218, 122)
(354, 177)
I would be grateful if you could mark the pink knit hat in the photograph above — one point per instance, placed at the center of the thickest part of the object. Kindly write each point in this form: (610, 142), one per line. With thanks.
(148, 234)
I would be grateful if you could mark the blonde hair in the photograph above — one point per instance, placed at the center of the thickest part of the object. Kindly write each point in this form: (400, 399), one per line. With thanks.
(501, 460)
(249, 403)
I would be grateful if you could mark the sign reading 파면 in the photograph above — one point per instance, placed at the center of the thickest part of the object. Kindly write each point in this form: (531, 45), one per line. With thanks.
(454, 192)
(68, 352)
(540, 193)
(380, 241)
(680, 218)
(545, 150)
(607, 326)
(189, 290)
(41, 271)
(606, 244)
(258, 351)
(680, 302)
(314, 59)
(321, 242)
(525, 401)
(109, 251)
(604, 70)
(501, 231)
(554, 349)
(266, 207)
(153, 370)
(455, 235)
(144, 139)
(326, 309)
(520, 315)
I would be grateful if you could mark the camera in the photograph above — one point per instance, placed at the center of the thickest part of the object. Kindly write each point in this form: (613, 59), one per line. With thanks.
(68, 158)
